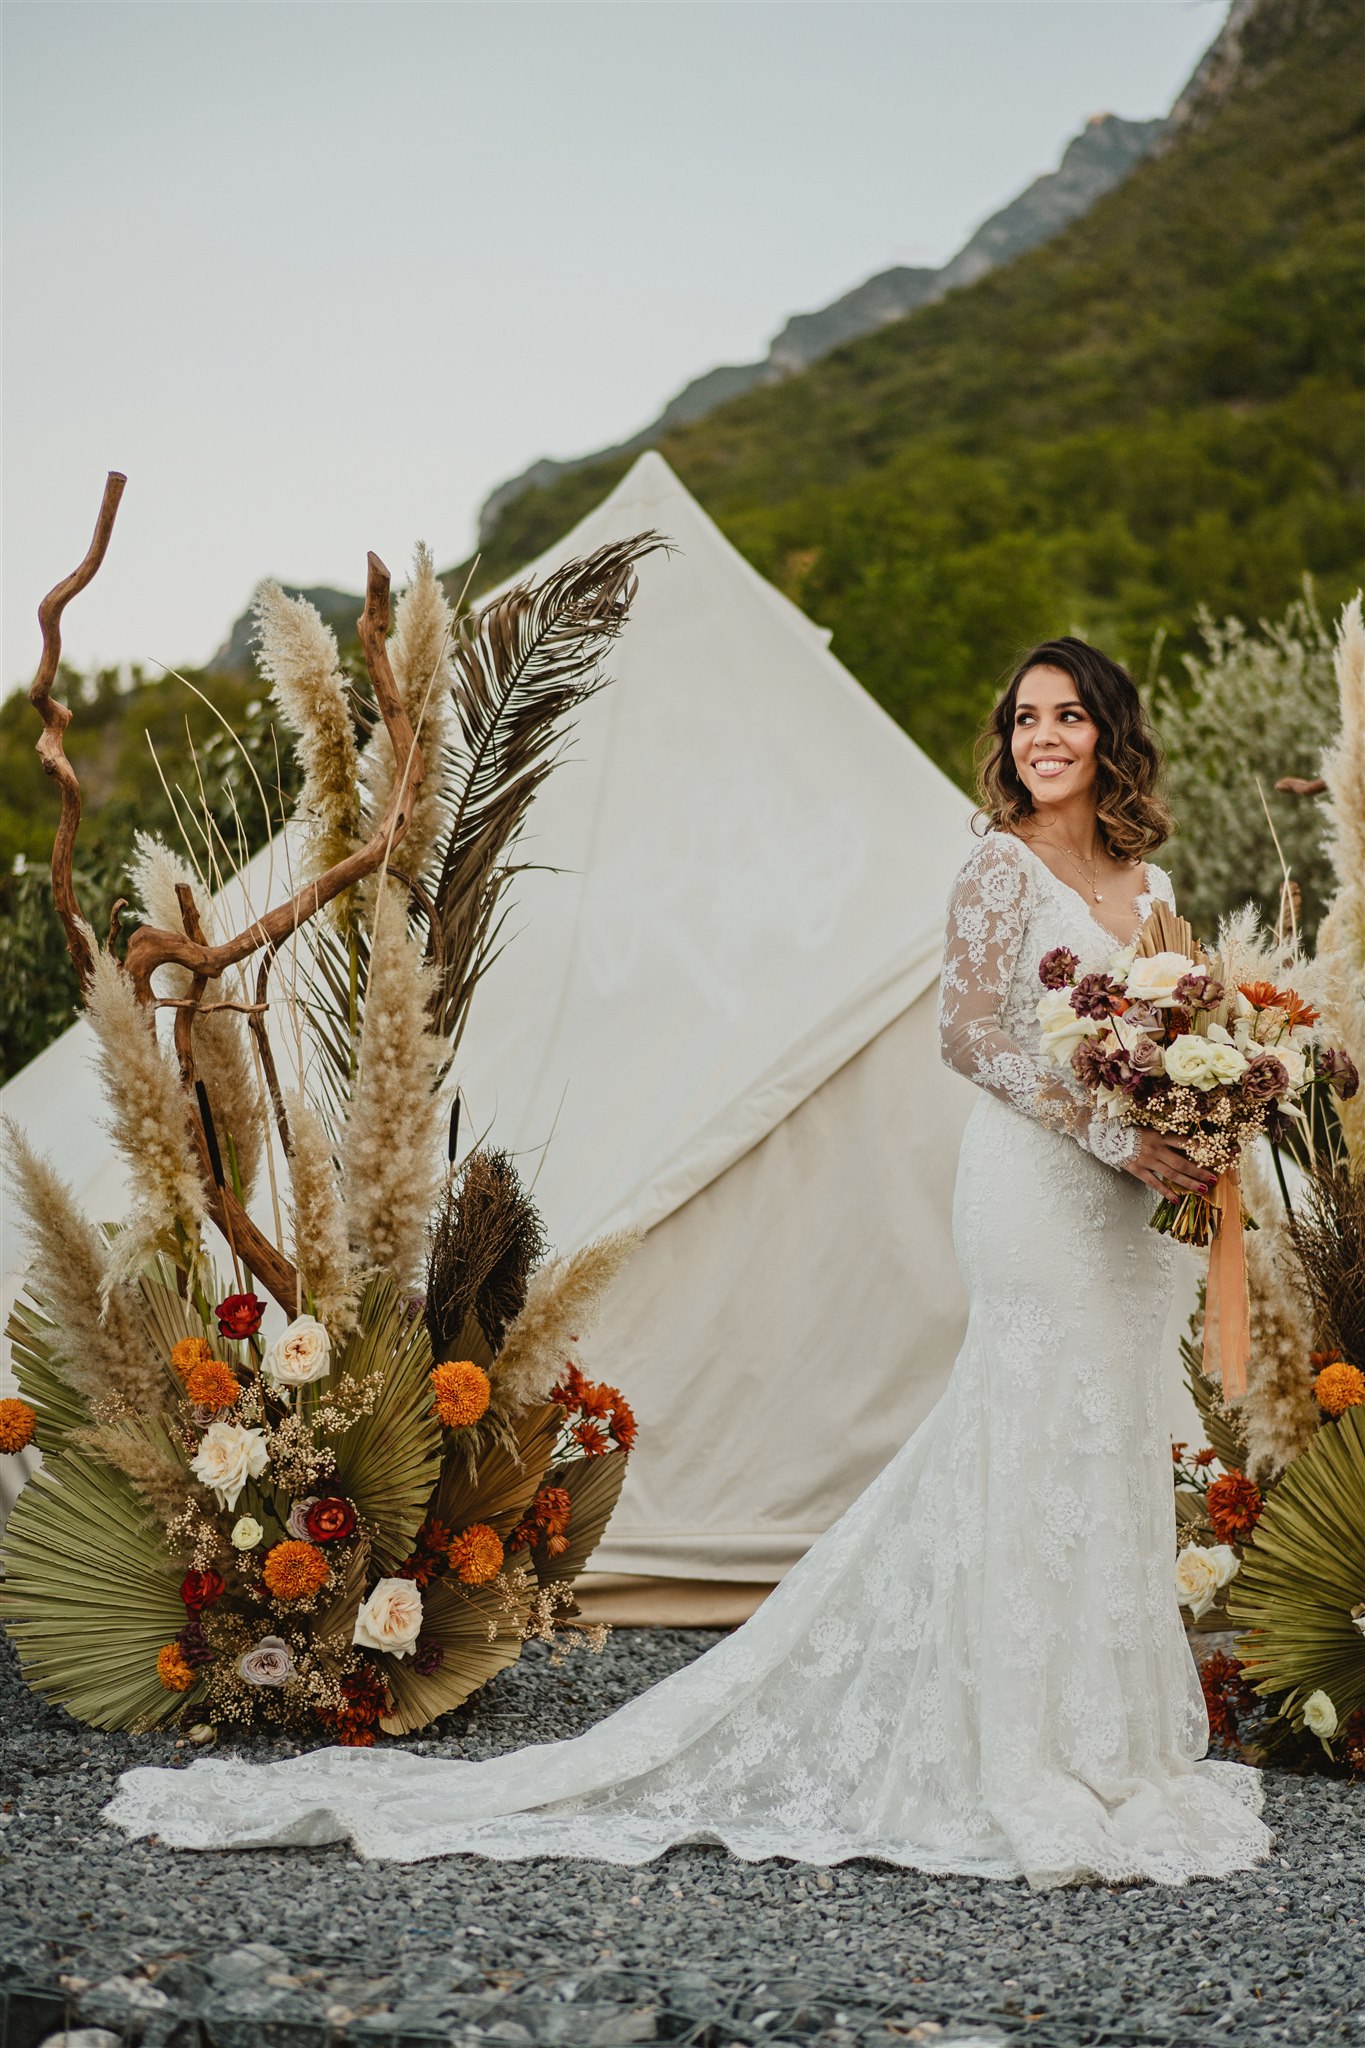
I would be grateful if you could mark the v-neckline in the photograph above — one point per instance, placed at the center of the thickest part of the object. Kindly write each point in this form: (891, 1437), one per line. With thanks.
(1142, 901)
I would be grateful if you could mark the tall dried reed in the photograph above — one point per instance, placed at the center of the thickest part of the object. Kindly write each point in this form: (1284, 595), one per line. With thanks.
(298, 658)
(317, 1218)
(420, 656)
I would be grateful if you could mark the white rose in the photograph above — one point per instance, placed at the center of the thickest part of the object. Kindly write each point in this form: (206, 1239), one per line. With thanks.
(390, 1619)
(227, 1457)
(299, 1354)
(1225, 1562)
(246, 1533)
(1196, 1580)
(1120, 962)
(1063, 1030)
(1358, 1617)
(1319, 1715)
(1193, 1062)
(1153, 976)
(1291, 1058)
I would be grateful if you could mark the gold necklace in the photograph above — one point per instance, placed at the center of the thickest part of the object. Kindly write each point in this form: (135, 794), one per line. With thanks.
(1078, 863)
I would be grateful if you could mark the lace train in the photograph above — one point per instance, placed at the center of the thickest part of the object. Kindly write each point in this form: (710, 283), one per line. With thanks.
(981, 1668)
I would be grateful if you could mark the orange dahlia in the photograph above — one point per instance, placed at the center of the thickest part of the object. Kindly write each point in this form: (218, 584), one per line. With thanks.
(590, 1439)
(189, 1352)
(476, 1557)
(211, 1384)
(623, 1425)
(462, 1391)
(1234, 1507)
(1338, 1387)
(17, 1424)
(175, 1674)
(293, 1570)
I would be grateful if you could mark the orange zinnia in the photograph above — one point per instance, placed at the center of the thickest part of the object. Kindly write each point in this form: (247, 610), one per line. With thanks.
(1338, 1387)
(17, 1424)
(1263, 995)
(462, 1391)
(1234, 1507)
(294, 1569)
(476, 1556)
(175, 1674)
(189, 1352)
(211, 1384)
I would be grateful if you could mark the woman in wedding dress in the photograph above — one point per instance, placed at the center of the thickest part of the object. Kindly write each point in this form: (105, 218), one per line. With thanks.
(981, 1668)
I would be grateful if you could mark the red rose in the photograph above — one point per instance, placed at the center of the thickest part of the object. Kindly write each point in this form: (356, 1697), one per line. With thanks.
(329, 1518)
(239, 1315)
(199, 1590)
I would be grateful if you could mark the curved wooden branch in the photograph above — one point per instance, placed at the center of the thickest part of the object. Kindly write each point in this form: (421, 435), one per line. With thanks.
(56, 718)
(150, 946)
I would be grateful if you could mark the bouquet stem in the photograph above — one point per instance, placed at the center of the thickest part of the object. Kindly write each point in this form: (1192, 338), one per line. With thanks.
(1190, 1219)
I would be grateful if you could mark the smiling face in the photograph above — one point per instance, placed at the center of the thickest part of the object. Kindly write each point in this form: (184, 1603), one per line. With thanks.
(1053, 739)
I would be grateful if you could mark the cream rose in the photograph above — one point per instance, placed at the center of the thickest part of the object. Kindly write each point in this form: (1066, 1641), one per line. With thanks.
(246, 1533)
(1195, 1062)
(390, 1619)
(1196, 1580)
(1063, 1030)
(299, 1355)
(227, 1457)
(1319, 1715)
(1152, 977)
(1225, 1562)
(270, 1663)
(1291, 1058)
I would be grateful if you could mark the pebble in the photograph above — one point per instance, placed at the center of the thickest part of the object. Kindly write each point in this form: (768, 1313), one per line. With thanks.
(138, 1940)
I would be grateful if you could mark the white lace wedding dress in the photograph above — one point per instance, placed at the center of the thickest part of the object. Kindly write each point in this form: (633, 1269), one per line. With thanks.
(981, 1667)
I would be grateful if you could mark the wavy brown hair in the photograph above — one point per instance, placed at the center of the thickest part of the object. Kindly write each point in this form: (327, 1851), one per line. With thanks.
(1131, 815)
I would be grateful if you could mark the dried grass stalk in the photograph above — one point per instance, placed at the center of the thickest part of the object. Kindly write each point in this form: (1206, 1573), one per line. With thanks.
(101, 1342)
(562, 1301)
(149, 1125)
(1328, 1236)
(391, 1149)
(317, 1219)
(486, 1240)
(1341, 940)
(297, 655)
(1278, 1414)
(222, 1054)
(420, 654)
(157, 1477)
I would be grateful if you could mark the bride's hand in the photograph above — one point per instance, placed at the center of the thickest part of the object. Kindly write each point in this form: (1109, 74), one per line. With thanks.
(1164, 1167)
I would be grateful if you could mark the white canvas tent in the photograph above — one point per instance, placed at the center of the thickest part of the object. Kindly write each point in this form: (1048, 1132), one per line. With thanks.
(715, 1020)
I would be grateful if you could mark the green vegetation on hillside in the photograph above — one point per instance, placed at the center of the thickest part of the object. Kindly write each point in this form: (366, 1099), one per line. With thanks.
(1163, 407)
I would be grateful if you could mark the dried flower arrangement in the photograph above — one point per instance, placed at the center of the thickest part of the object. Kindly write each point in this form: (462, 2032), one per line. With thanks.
(345, 1502)
(1274, 1542)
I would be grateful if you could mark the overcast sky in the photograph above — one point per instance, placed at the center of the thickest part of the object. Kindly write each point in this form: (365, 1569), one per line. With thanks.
(319, 273)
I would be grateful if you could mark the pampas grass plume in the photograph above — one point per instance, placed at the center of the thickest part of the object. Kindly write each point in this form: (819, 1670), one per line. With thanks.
(420, 655)
(156, 1476)
(297, 654)
(562, 1300)
(318, 1220)
(1278, 1413)
(1341, 940)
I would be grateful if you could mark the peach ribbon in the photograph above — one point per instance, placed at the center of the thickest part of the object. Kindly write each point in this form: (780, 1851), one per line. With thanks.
(1227, 1314)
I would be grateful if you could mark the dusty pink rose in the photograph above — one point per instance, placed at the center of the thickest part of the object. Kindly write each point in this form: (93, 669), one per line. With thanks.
(270, 1663)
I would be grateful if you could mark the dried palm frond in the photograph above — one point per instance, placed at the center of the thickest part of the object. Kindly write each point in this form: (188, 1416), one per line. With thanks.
(485, 1241)
(477, 1629)
(297, 655)
(86, 1329)
(594, 1487)
(1224, 1427)
(1301, 1575)
(522, 666)
(388, 1460)
(497, 1487)
(148, 1459)
(562, 1301)
(1328, 1236)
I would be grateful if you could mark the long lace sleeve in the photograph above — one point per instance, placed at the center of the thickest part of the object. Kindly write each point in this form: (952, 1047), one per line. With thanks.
(988, 914)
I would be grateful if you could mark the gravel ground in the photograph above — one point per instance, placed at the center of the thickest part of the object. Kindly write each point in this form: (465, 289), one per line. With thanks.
(305, 1947)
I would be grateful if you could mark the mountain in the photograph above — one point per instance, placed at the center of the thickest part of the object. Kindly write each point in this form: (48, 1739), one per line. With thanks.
(1160, 407)
(1092, 163)
(237, 656)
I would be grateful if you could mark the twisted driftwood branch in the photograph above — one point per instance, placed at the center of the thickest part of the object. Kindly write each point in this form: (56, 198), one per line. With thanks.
(56, 718)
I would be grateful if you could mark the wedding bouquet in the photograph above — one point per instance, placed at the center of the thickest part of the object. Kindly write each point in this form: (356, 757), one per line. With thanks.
(1162, 1039)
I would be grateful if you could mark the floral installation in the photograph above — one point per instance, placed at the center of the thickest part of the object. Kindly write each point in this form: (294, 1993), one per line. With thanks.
(312, 1403)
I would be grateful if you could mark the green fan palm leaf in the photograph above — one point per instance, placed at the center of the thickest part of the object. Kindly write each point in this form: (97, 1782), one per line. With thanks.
(91, 1593)
(388, 1461)
(478, 1630)
(36, 1356)
(501, 1486)
(1303, 1571)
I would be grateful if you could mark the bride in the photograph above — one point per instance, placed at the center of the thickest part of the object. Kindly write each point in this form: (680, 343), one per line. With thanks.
(981, 1668)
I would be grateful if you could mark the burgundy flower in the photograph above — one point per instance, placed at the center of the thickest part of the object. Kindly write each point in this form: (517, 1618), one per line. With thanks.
(194, 1645)
(329, 1519)
(1143, 1017)
(199, 1590)
(1088, 1063)
(1197, 991)
(1341, 1070)
(1095, 995)
(239, 1315)
(1265, 1078)
(427, 1658)
(1056, 968)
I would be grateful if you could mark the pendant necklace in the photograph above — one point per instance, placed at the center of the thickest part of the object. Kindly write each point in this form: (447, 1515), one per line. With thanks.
(1079, 864)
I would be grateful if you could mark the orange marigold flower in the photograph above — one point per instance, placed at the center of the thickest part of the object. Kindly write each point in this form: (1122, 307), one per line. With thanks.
(211, 1384)
(1338, 1387)
(17, 1424)
(175, 1674)
(476, 1556)
(623, 1425)
(1234, 1507)
(462, 1391)
(1205, 1457)
(1263, 995)
(590, 1439)
(189, 1352)
(293, 1570)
